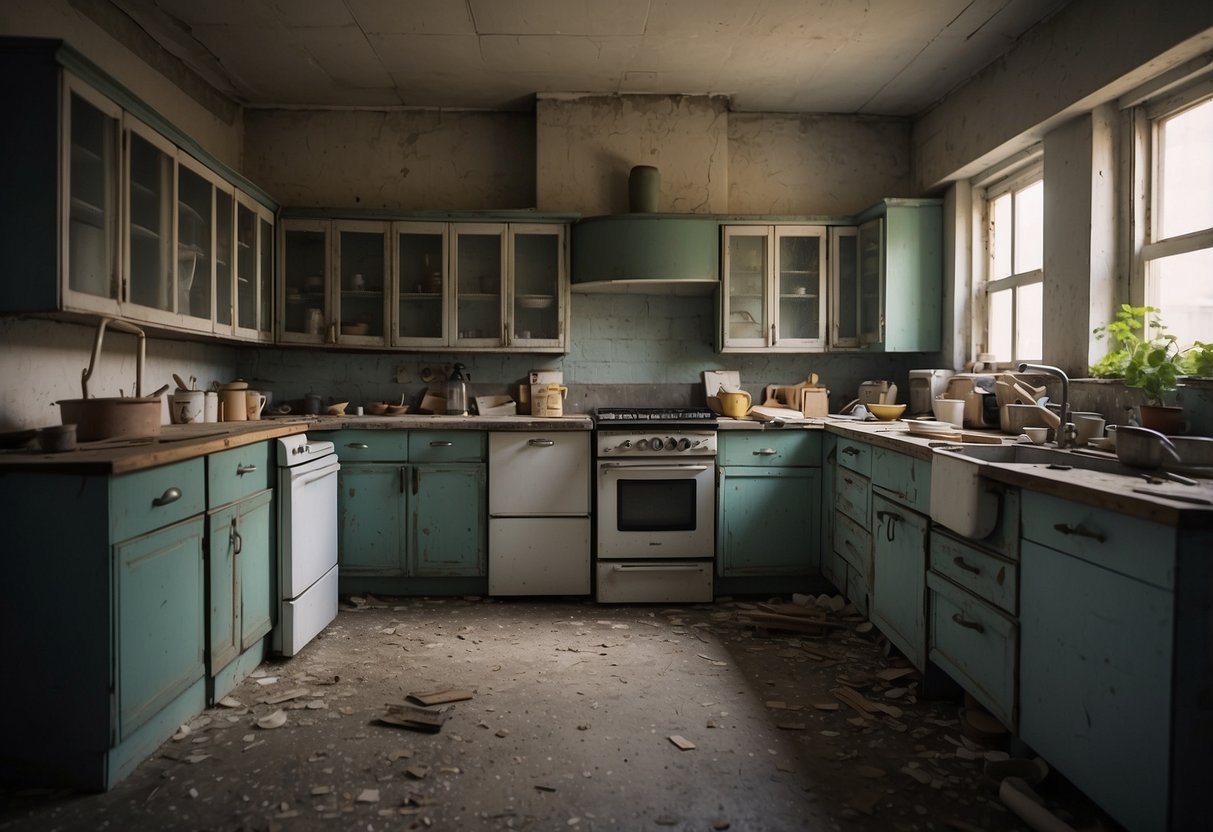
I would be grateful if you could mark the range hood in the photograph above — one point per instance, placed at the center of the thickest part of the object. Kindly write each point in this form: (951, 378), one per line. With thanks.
(669, 254)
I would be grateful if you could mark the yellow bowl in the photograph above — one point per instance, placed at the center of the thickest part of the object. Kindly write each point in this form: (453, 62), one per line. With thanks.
(886, 412)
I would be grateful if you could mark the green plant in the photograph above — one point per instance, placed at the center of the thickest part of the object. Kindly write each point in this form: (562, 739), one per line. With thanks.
(1144, 354)
(1122, 334)
(1199, 360)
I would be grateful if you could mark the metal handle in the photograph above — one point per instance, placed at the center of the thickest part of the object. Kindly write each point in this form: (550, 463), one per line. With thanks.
(893, 517)
(237, 540)
(636, 567)
(540, 443)
(441, 443)
(1080, 531)
(773, 336)
(765, 452)
(965, 565)
(361, 446)
(850, 450)
(969, 625)
(241, 470)
(416, 480)
(671, 468)
(172, 495)
(403, 479)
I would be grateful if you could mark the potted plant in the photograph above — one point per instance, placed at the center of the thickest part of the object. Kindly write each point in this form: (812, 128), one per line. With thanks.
(1150, 361)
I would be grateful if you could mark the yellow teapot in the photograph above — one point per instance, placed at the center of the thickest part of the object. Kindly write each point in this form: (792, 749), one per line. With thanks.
(734, 403)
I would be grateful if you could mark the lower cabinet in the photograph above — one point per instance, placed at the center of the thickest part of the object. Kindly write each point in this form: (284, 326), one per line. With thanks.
(447, 520)
(899, 563)
(852, 541)
(371, 517)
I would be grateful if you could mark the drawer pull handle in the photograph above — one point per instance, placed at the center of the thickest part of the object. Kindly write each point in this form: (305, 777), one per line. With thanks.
(241, 470)
(765, 452)
(970, 625)
(171, 495)
(850, 451)
(1081, 531)
(360, 446)
(540, 443)
(966, 566)
(441, 444)
(893, 518)
(237, 540)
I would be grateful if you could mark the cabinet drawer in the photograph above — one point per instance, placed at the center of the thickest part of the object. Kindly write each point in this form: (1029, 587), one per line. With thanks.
(235, 474)
(852, 496)
(1126, 545)
(146, 500)
(769, 447)
(446, 446)
(853, 542)
(369, 445)
(855, 455)
(986, 576)
(905, 478)
(976, 644)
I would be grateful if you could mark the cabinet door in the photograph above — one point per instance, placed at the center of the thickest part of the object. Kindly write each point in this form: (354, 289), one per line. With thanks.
(158, 588)
(255, 562)
(91, 158)
(223, 582)
(799, 288)
(422, 287)
(748, 251)
(768, 521)
(198, 268)
(844, 287)
(240, 560)
(226, 262)
(537, 281)
(447, 535)
(303, 310)
(371, 502)
(899, 568)
(871, 281)
(253, 273)
(150, 264)
(479, 280)
(361, 272)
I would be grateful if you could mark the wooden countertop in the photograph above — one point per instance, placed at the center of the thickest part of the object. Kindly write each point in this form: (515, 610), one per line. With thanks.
(411, 421)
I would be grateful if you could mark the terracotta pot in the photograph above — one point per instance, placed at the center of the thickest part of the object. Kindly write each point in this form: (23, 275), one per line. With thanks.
(1162, 418)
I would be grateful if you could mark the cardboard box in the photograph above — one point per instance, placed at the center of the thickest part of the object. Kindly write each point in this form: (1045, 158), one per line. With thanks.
(814, 401)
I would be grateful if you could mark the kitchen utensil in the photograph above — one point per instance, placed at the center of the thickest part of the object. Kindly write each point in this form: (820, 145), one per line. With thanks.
(1144, 448)
(181, 385)
(57, 438)
(397, 409)
(1015, 417)
(734, 403)
(110, 418)
(1089, 426)
(887, 412)
(254, 404)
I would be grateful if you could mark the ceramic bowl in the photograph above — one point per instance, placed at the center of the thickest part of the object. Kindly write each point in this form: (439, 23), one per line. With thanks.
(887, 412)
(377, 408)
(337, 409)
(397, 409)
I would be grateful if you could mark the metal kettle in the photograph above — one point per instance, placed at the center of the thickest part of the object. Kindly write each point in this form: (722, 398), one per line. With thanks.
(457, 392)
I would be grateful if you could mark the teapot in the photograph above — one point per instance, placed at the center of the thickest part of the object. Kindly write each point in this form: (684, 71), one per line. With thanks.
(734, 403)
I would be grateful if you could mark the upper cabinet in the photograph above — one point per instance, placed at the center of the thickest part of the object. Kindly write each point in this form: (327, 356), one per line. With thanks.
(115, 212)
(425, 284)
(774, 288)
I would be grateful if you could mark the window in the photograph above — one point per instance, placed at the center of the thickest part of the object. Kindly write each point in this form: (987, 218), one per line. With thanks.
(1014, 273)
(1178, 251)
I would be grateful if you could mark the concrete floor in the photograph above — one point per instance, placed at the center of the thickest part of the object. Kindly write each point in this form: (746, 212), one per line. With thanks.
(568, 728)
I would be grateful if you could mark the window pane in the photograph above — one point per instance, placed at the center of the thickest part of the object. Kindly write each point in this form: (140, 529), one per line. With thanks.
(1000, 237)
(1029, 228)
(1182, 287)
(1185, 171)
(1029, 323)
(1000, 325)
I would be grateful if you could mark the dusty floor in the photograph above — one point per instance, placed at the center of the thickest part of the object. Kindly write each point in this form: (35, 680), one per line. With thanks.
(568, 728)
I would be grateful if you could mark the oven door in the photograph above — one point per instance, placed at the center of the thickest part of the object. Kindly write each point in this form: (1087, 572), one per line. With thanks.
(652, 509)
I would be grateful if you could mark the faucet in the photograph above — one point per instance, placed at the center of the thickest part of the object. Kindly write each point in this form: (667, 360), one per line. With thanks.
(1067, 431)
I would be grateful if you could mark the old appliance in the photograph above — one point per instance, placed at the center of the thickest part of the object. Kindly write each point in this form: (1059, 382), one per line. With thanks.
(656, 517)
(307, 541)
(925, 387)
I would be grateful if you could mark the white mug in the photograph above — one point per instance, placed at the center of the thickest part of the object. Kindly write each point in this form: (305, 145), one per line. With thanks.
(949, 410)
(1035, 435)
(1088, 426)
(187, 406)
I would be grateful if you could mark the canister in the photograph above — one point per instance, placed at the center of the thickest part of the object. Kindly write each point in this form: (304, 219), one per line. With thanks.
(210, 407)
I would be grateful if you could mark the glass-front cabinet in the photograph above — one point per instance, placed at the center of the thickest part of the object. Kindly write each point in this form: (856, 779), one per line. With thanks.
(774, 288)
(479, 279)
(360, 271)
(421, 268)
(537, 271)
(252, 313)
(844, 287)
(303, 297)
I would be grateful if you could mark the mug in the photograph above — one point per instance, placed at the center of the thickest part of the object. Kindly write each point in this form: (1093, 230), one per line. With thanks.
(949, 410)
(187, 406)
(1089, 426)
(254, 403)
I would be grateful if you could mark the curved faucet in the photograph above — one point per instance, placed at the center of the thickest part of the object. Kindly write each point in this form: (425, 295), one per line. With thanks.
(1067, 432)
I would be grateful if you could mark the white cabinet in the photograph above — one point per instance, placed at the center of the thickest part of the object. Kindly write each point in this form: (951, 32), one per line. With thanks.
(774, 294)
(844, 287)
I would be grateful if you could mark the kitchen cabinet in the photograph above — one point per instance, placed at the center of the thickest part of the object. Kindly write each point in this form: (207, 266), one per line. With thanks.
(899, 253)
(120, 213)
(774, 288)
(241, 563)
(852, 517)
(833, 567)
(127, 550)
(844, 287)
(768, 493)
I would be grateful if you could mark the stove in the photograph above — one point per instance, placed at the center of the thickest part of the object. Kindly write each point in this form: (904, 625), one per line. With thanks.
(611, 416)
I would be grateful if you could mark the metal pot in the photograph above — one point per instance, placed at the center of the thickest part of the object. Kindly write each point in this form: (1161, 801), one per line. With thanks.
(1144, 448)
(112, 418)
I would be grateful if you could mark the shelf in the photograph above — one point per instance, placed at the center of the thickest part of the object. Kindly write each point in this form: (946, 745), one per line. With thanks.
(80, 152)
(140, 232)
(795, 296)
(421, 296)
(361, 293)
(193, 212)
(478, 296)
(86, 212)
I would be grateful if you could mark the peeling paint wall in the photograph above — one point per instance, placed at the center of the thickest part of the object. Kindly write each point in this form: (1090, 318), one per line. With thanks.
(393, 159)
(815, 164)
(587, 145)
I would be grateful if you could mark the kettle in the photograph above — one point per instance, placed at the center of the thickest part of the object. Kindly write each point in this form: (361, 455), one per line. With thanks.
(734, 403)
(456, 392)
(553, 400)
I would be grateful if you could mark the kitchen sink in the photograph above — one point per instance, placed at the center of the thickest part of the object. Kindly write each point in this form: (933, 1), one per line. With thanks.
(1041, 455)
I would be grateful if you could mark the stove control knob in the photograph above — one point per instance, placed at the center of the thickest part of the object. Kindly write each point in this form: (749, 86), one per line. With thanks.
(642, 445)
(684, 444)
(656, 444)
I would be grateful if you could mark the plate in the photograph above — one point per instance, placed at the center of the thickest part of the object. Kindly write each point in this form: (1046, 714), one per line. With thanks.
(534, 301)
(923, 427)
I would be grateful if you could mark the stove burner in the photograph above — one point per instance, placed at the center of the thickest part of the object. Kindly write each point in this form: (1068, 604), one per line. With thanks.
(653, 414)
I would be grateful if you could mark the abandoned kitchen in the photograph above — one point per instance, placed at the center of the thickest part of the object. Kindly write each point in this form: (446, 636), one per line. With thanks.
(728, 414)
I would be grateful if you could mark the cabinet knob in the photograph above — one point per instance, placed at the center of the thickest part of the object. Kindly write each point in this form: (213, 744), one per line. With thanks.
(171, 495)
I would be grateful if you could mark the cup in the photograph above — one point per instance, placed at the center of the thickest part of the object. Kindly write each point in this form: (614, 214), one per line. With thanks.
(311, 404)
(1110, 435)
(187, 406)
(1089, 426)
(233, 406)
(254, 404)
(951, 411)
(1035, 435)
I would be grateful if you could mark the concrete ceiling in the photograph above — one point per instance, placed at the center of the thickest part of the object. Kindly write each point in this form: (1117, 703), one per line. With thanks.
(877, 57)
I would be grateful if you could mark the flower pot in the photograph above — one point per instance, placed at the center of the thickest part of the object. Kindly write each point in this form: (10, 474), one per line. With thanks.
(1163, 418)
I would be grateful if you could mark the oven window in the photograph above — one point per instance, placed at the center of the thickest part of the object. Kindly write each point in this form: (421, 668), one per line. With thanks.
(656, 505)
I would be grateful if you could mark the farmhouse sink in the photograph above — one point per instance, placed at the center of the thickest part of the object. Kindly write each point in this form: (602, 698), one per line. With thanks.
(1040, 455)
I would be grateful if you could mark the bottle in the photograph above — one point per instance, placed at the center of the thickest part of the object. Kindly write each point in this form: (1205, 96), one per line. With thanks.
(456, 392)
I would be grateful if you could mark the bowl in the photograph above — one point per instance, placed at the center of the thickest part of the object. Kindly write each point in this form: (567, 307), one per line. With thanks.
(535, 301)
(887, 412)
(397, 409)
(337, 409)
(377, 408)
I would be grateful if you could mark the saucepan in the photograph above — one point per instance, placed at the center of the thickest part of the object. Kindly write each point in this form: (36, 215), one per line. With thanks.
(1140, 447)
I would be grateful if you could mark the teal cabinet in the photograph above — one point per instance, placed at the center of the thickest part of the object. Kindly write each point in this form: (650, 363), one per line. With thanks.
(899, 564)
(833, 566)
(240, 575)
(768, 503)
(852, 538)
(372, 518)
(448, 520)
